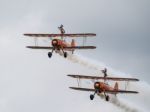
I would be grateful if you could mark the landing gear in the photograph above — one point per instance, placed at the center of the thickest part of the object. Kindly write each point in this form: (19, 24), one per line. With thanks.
(49, 54)
(107, 98)
(65, 54)
(91, 97)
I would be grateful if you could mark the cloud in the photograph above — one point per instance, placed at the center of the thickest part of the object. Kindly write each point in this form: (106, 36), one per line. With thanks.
(32, 82)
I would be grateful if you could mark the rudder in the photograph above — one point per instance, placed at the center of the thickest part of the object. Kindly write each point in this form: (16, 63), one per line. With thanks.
(116, 86)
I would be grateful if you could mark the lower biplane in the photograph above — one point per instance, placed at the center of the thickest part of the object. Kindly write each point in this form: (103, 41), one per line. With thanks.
(102, 87)
(60, 44)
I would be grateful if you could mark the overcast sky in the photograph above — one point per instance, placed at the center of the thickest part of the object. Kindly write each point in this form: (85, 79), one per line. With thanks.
(30, 81)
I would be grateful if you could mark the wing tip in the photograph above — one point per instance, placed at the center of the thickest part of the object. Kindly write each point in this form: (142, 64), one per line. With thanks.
(72, 76)
(25, 34)
(134, 79)
(28, 46)
(31, 47)
(93, 47)
(136, 92)
(69, 75)
(72, 87)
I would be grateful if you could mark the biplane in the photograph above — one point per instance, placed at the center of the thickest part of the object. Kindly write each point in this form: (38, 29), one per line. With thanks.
(58, 45)
(102, 87)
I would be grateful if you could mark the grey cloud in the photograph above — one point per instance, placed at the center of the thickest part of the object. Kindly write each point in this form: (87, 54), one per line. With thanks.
(29, 79)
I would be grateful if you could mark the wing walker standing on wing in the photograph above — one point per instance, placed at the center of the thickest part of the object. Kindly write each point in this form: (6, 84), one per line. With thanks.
(61, 44)
(101, 87)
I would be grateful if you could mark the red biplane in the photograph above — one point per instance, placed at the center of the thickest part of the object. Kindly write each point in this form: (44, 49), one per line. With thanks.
(61, 44)
(102, 87)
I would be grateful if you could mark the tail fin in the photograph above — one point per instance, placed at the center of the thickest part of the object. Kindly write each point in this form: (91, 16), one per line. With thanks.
(73, 43)
(116, 86)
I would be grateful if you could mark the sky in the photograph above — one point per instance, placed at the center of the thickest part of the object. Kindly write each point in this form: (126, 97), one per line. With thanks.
(30, 81)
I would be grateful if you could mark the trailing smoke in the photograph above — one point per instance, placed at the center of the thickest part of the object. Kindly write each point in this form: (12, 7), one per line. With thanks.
(92, 64)
(84, 61)
(121, 104)
(100, 66)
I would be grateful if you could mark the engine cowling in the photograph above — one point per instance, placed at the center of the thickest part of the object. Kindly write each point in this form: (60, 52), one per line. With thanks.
(55, 42)
(97, 85)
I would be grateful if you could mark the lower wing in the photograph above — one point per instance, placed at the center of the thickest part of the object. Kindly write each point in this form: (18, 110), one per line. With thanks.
(65, 48)
(120, 91)
(82, 89)
(106, 91)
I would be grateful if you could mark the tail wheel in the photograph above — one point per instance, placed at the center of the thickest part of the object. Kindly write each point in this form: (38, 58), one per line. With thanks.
(49, 54)
(65, 54)
(91, 97)
(107, 98)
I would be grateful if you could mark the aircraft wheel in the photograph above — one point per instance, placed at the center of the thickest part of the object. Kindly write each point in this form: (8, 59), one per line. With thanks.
(91, 97)
(65, 54)
(49, 54)
(107, 98)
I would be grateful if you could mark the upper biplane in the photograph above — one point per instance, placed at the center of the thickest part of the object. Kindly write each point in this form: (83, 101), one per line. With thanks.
(102, 87)
(60, 44)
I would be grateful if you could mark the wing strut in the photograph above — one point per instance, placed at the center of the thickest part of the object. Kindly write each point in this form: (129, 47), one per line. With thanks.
(36, 41)
(84, 40)
(79, 82)
(126, 84)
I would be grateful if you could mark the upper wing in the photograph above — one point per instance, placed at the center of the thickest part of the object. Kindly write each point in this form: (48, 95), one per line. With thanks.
(61, 35)
(80, 47)
(120, 91)
(82, 89)
(104, 78)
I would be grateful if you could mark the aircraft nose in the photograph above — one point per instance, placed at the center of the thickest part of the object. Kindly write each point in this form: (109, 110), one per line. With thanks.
(54, 42)
(97, 85)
